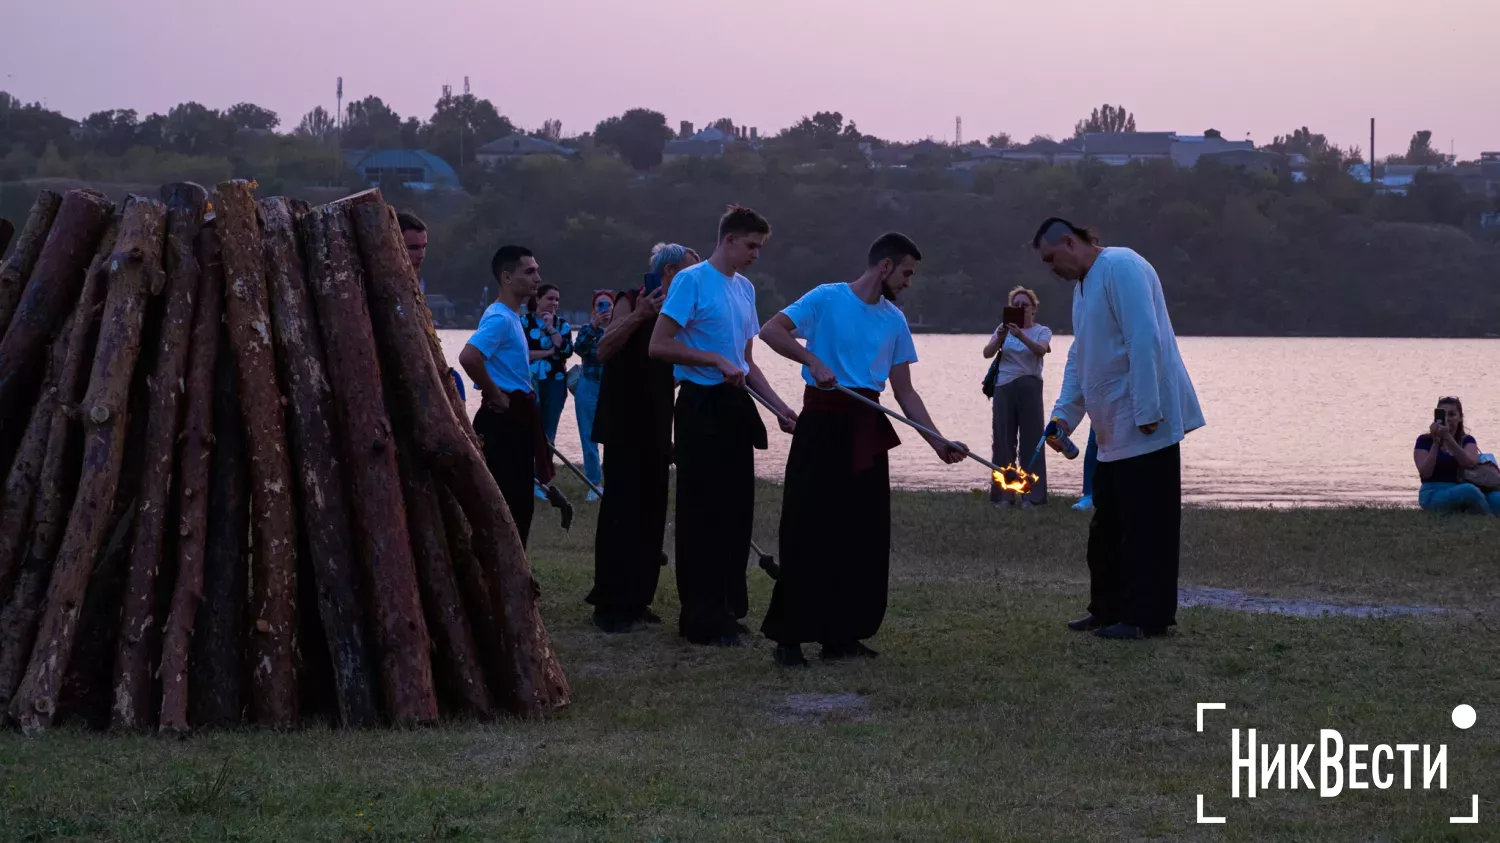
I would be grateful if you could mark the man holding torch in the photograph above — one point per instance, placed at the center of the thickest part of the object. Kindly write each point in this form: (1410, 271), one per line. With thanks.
(1125, 371)
(835, 515)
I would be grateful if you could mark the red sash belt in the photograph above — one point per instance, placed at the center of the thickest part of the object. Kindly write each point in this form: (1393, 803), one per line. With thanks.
(873, 432)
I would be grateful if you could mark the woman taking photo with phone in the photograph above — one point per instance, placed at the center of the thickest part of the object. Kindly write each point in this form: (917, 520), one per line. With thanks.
(1018, 414)
(1443, 454)
(634, 424)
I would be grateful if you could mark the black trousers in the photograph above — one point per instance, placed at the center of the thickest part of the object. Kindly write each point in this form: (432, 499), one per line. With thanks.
(1134, 539)
(835, 538)
(632, 527)
(1018, 421)
(509, 451)
(715, 508)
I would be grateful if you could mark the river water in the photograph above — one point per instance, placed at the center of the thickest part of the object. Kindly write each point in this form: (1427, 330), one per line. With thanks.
(1291, 422)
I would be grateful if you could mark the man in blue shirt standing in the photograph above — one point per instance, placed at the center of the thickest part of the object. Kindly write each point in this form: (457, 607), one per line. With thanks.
(496, 358)
(836, 501)
(706, 330)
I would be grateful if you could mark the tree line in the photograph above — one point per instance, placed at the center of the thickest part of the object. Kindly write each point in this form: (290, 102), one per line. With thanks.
(1239, 253)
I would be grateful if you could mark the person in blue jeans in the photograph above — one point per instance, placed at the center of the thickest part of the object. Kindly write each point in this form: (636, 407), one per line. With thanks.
(1445, 450)
(1090, 462)
(586, 392)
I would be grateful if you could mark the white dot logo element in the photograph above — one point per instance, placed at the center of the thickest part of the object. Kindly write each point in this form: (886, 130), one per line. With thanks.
(1464, 716)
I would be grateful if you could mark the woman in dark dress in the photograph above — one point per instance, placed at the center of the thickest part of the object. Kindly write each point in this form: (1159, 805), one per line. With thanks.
(634, 424)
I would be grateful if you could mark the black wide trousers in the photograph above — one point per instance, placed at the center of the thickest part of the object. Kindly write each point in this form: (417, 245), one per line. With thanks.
(1134, 540)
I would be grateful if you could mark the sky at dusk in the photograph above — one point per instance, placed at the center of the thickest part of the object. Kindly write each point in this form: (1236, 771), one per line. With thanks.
(901, 70)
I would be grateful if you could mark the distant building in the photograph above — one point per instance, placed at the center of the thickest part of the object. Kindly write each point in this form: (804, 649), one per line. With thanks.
(517, 147)
(1187, 149)
(444, 312)
(414, 168)
(709, 143)
(1248, 160)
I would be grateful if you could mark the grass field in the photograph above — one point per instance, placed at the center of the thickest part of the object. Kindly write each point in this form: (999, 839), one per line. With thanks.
(984, 719)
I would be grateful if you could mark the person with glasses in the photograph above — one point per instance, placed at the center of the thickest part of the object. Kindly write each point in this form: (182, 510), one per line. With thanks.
(1442, 454)
(1017, 405)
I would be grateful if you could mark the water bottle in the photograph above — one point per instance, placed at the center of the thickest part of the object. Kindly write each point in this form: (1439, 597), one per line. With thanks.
(1055, 436)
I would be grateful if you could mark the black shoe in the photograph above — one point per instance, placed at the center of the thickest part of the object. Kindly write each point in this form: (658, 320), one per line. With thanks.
(648, 616)
(613, 625)
(1089, 624)
(1121, 632)
(743, 630)
(790, 656)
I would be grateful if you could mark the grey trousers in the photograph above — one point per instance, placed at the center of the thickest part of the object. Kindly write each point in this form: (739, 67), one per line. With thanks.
(1018, 424)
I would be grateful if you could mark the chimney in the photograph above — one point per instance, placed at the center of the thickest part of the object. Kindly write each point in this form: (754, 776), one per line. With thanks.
(754, 133)
(685, 129)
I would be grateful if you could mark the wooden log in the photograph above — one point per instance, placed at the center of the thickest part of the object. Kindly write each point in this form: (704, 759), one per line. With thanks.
(537, 680)
(274, 576)
(59, 480)
(20, 490)
(134, 263)
(7, 231)
(193, 476)
(185, 203)
(17, 268)
(475, 591)
(325, 505)
(217, 674)
(50, 291)
(337, 288)
(458, 664)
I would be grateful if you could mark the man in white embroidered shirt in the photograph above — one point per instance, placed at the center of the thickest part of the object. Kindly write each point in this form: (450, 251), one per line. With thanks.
(1125, 371)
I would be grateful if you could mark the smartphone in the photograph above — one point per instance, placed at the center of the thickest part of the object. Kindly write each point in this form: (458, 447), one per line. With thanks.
(603, 306)
(1440, 415)
(1013, 316)
(653, 283)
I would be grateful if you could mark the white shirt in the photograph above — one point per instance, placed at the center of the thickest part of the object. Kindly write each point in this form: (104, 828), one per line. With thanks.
(1018, 361)
(859, 342)
(502, 341)
(1124, 368)
(717, 314)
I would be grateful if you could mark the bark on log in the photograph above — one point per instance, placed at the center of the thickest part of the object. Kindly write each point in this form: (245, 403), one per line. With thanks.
(59, 480)
(325, 506)
(475, 590)
(51, 289)
(134, 263)
(375, 480)
(193, 475)
(19, 494)
(217, 674)
(537, 680)
(138, 622)
(459, 664)
(274, 580)
(17, 268)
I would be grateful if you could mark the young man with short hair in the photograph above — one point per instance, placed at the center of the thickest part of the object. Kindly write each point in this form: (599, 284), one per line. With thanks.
(1125, 371)
(414, 232)
(496, 358)
(706, 329)
(836, 501)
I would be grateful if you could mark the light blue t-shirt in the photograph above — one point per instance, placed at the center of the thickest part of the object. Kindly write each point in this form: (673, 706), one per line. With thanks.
(717, 314)
(502, 341)
(859, 342)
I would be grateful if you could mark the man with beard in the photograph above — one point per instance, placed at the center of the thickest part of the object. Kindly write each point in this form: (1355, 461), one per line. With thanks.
(836, 504)
(1125, 371)
(498, 361)
(706, 330)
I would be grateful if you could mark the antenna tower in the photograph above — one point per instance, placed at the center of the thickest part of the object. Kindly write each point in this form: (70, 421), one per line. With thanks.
(958, 131)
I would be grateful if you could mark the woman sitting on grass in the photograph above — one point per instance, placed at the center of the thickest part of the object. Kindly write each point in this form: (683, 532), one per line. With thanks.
(1442, 453)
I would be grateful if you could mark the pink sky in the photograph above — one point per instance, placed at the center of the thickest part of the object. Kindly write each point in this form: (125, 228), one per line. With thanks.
(901, 70)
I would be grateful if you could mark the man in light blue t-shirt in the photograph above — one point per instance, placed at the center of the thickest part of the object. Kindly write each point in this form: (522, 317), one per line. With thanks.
(705, 329)
(836, 502)
(497, 359)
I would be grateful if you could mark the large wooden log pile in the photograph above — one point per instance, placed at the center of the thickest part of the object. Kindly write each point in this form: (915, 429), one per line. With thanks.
(230, 396)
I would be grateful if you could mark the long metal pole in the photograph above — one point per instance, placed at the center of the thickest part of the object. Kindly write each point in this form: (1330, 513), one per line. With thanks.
(924, 429)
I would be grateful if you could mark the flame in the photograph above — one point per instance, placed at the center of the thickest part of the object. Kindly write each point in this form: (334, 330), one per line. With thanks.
(1020, 485)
